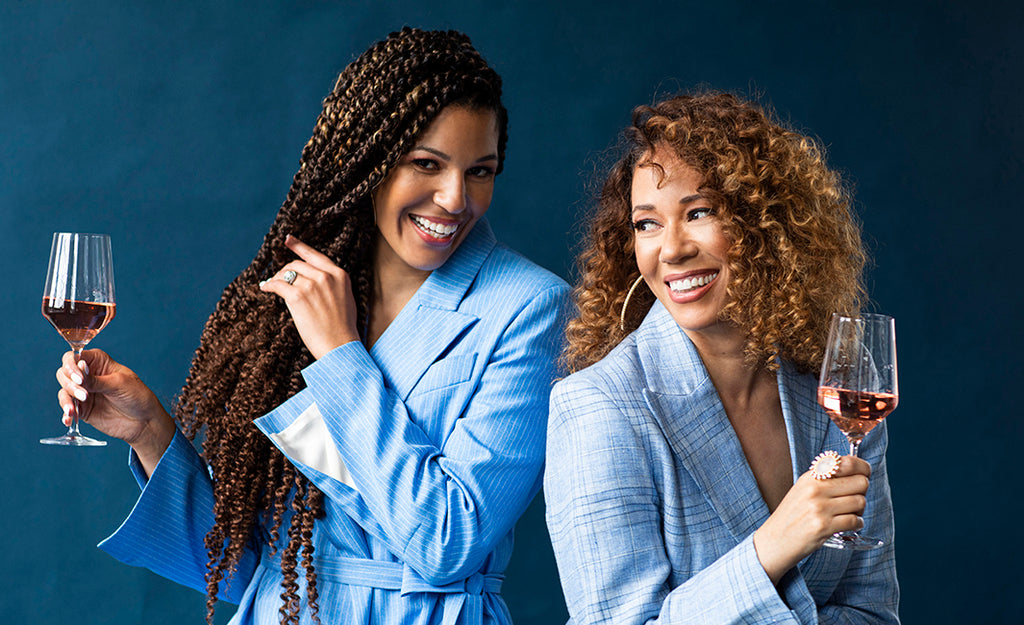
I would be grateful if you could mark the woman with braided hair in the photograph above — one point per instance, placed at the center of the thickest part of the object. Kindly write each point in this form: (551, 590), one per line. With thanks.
(677, 485)
(371, 391)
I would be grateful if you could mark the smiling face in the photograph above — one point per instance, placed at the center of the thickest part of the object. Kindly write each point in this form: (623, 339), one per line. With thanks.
(679, 243)
(436, 193)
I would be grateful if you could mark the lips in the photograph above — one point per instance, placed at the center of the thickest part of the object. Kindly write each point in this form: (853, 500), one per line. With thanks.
(690, 287)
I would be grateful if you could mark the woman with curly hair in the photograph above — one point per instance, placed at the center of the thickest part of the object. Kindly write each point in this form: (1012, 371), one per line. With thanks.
(675, 483)
(371, 391)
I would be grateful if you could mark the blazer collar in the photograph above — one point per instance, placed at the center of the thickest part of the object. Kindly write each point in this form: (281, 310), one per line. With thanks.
(431, 321)
(686, 404)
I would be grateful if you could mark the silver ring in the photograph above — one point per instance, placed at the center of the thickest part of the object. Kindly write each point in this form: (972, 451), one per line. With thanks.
(289, 276)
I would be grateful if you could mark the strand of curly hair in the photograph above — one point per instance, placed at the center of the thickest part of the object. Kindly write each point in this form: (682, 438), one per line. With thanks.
(250, 355)
(796, 253)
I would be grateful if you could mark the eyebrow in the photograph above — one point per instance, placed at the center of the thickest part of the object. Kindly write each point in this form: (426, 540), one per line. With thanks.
(440, 154)
(685, 200)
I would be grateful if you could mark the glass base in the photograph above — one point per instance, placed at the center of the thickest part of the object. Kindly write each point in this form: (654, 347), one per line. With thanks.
(852, 541)
(73, 441)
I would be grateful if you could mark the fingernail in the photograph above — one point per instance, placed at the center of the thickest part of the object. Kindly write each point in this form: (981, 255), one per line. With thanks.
(67, 411)
(262, 282)
(80, 394)
(84, 366)
(77, 379)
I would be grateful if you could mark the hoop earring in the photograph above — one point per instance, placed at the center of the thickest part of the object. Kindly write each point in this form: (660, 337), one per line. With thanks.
(622, 315)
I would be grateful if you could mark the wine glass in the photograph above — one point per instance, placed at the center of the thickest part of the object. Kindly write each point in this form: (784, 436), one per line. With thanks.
(79, 301)
(858, 388)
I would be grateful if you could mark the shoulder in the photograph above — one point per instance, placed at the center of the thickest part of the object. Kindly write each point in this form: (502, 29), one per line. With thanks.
(507, 268)
(614, 383)
(507, 285)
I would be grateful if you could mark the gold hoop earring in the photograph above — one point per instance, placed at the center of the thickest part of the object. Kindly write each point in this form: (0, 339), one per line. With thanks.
(622, 315)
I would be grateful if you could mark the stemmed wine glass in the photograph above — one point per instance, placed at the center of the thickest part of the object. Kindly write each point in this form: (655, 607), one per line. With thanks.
(858, 388)
(79, 301)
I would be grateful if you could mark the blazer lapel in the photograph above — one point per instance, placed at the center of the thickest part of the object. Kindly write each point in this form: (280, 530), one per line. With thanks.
(806, 427)
(430, 321)
(683, 399)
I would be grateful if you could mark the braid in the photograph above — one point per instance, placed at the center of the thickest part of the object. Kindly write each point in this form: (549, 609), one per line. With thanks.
(250, 355)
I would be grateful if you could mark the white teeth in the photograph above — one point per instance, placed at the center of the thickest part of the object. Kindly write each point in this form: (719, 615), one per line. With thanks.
(688, 284)
(441, 231)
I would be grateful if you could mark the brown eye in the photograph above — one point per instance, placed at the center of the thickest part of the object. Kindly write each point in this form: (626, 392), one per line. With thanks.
(425, 163)
(699, 213)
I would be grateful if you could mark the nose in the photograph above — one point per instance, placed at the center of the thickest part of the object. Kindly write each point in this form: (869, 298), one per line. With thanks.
(676, 246)
(451, 193)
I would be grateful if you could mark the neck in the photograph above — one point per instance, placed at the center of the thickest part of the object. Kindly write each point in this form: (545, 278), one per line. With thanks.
(394, 284)
(723, 354)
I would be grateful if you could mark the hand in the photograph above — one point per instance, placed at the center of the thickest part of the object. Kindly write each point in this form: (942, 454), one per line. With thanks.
(112, 399)
(810, 512)
(320, 299)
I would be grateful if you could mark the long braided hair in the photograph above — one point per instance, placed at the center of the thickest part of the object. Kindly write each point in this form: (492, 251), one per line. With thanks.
(250, 355)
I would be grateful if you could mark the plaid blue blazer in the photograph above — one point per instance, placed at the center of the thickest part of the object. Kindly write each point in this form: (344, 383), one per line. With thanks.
(431, 447)
(651, 504)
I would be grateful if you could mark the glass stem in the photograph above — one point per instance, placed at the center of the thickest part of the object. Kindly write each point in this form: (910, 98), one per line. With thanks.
(855, 448)
(73, 428)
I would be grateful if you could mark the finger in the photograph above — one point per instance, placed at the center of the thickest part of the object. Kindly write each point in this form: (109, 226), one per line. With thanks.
(278, 284)
(67, 405)
(74, 372)
(848, 523)
(848, 504)
(73, 389)
(852, 465)
(309, 254)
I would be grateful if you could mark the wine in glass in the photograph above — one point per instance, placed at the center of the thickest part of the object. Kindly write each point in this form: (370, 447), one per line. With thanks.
(858, 388)
(79, 301)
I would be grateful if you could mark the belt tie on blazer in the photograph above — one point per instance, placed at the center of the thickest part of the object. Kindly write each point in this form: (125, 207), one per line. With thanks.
(397, 576)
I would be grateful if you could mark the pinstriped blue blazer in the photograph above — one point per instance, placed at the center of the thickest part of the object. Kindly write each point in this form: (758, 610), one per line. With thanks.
(651, 504)
(434, 447)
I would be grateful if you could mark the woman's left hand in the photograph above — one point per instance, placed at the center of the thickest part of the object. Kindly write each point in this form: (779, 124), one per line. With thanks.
(320, 299)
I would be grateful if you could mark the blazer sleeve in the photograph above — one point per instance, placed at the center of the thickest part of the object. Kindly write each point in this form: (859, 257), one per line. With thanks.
(606, 525)
(441, 507)
(868, 592)
(166, 529)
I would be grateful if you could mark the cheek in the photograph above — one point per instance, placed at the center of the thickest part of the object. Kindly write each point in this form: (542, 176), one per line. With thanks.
(481, 197)
(646, 254)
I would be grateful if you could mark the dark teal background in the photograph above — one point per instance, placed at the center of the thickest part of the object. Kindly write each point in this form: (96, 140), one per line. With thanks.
(176, 127)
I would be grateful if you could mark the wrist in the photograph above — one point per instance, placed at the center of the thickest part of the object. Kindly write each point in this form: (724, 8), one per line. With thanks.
(770, 560)
(153, 441)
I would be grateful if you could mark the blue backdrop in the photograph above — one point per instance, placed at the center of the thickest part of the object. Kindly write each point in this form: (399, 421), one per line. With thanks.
(177, 127)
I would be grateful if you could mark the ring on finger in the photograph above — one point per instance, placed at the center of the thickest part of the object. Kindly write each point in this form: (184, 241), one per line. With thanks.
(825, 465)
(290, 276)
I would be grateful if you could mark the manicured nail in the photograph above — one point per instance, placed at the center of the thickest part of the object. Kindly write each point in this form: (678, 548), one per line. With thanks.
(80, 394)
(262, 282)
(84, 366)
(77, 379)
(67, 411)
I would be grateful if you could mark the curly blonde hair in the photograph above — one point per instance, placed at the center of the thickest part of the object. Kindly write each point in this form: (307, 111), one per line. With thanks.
(796, 253)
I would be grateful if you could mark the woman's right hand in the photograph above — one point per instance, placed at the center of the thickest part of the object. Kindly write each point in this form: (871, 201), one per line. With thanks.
(811, 511)
(112, 399)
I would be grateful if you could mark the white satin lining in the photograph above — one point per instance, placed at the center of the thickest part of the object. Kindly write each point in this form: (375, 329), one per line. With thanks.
(307, 441)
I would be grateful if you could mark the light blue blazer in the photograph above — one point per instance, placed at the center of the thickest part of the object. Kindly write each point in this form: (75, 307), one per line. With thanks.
(431, 445)
(651, 504)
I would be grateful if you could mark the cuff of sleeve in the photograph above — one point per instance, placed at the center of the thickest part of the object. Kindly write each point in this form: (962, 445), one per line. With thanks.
(159, 491)
(758, 589)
